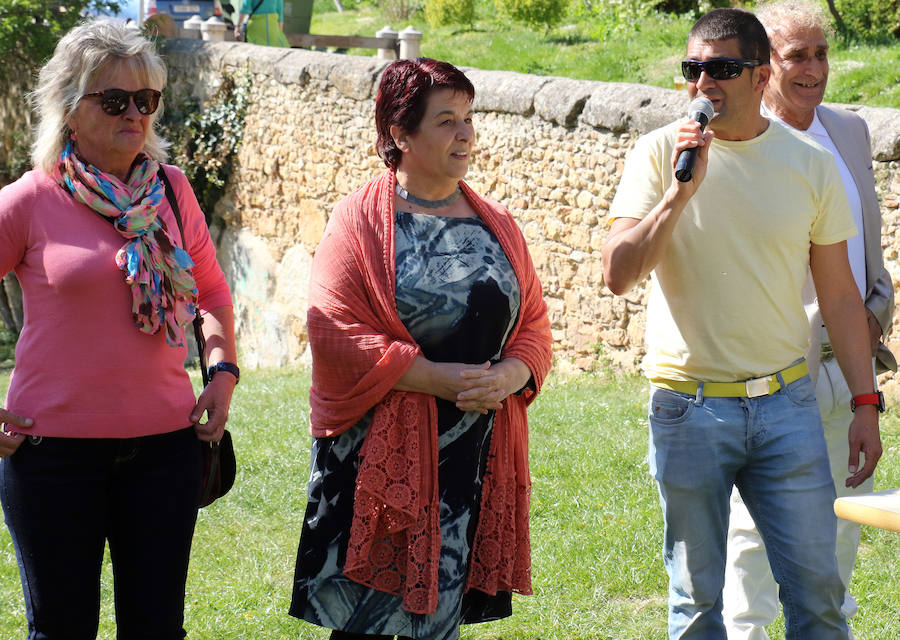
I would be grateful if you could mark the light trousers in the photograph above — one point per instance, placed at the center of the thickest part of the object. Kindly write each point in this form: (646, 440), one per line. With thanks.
(751, 593)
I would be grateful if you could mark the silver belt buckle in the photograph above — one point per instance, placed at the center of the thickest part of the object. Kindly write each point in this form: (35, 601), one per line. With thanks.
(757, 387)
(826, 353)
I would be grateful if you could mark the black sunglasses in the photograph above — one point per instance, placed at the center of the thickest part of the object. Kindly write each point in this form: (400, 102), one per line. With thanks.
(717, 68)
(114, 102)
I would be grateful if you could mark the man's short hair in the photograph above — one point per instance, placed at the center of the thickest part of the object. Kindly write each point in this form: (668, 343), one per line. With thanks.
(734, 24)
(792, 14)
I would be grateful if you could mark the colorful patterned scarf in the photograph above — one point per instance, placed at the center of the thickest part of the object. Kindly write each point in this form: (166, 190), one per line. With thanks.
(162, 287)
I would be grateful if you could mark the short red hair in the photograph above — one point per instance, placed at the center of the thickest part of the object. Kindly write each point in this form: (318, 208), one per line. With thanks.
(403, 95)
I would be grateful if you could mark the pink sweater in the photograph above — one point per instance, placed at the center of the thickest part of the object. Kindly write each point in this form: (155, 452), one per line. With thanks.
(82, 367)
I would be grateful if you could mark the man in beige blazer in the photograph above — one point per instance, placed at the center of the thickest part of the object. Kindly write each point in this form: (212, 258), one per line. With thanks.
(799, 52)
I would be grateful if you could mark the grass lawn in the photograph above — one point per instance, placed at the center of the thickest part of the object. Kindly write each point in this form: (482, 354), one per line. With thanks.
(596, 527)
(644, 50)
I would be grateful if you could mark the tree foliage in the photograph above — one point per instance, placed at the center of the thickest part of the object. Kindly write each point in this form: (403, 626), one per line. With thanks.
(30, 29)
(869, 19)
(441, 12)
(534, 13)
(694, 6)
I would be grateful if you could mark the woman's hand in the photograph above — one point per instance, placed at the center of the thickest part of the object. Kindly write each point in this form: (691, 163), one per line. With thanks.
(492, 385)
(214, 401)
(481, 387)
(441, 379)
(218, 330)
(10, 441)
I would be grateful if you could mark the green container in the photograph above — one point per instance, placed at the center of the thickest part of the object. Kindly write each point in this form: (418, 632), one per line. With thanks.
(297, 15)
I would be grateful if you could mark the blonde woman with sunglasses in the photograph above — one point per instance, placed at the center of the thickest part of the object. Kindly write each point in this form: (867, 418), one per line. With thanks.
(101, 441)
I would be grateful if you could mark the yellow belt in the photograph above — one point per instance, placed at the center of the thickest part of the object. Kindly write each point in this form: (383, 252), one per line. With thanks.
(752, 388)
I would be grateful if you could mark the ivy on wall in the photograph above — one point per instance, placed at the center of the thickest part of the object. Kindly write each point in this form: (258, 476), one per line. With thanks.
(205, 137)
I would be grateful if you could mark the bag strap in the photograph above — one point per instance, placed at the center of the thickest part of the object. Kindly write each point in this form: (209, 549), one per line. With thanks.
(198, 321)
(210, 449)
(253, 10)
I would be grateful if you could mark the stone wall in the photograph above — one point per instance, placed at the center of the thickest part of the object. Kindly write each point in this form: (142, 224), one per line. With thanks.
(550, 149)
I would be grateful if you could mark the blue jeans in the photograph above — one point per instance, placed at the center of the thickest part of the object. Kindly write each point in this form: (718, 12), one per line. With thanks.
(773, 450)
(63, 498)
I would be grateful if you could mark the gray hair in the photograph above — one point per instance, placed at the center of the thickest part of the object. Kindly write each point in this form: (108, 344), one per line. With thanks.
(779, 15)
(79, 59)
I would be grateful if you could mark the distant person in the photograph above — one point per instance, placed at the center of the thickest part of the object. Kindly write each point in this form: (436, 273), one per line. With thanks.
(799, 48)
(731, 401)
(429, 336)
(265, 22)
(101, 435)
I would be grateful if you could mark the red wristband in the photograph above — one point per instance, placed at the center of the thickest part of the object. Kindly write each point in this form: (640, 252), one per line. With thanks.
(876, 398)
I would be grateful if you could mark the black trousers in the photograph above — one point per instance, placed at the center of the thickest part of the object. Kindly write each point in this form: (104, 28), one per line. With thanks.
(343, 635)
(64, 498)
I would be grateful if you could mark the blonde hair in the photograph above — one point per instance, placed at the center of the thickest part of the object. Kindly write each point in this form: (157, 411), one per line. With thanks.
(88, 50)
(780, 15)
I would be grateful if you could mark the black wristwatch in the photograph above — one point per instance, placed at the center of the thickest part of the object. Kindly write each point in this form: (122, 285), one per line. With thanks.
(230, 367)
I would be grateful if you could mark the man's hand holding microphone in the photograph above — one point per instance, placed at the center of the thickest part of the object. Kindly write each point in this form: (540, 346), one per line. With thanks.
(692, 148)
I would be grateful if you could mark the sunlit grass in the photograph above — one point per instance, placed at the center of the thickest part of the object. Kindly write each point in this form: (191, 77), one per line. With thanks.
(596, 527)
(647, 51)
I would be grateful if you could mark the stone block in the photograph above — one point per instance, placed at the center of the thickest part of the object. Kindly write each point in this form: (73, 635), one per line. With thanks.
(187, 55)
(505, 91)
(255, 58)
(358, 77)
(292, 280)
(619, 106)
(884, 129)
(294, 68)
(561, 100)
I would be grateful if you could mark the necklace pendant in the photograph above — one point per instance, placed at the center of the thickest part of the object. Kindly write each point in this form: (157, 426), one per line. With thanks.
(428, 204)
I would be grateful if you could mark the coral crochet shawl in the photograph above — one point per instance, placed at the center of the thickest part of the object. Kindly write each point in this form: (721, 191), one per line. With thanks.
(360, 350)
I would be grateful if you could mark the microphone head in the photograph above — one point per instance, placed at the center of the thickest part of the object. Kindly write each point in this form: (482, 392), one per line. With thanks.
(701, 105)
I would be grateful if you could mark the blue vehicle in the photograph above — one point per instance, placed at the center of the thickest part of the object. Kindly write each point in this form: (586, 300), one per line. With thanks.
(181, 10)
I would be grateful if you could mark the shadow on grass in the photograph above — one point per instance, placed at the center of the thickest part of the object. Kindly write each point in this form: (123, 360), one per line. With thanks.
(570, 39)
(466, 29)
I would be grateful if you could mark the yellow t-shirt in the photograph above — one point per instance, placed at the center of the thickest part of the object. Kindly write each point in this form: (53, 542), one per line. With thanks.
(725, 300)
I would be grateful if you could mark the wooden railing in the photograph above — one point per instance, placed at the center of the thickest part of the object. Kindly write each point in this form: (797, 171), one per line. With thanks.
(314, 41)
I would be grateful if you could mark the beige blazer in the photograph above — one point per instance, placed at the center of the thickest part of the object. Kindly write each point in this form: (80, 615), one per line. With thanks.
(850, 135)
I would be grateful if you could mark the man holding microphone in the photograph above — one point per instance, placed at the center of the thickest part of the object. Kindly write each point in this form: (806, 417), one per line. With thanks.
(799, 50)
(731, 401)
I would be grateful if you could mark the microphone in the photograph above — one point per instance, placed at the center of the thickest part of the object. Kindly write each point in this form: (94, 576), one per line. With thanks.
(701, 110)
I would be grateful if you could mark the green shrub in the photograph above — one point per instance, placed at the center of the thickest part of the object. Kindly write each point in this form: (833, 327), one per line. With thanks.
(613, 18)
(679, 6)
(870, 19)
(399, 9)
(697, 7)
(441, 12)
(205, 138)
(534, 13)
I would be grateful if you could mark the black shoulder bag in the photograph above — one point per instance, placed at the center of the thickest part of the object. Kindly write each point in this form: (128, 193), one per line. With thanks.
(219, 463)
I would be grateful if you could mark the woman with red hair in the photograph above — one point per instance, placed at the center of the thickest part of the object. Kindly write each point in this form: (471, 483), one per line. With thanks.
(430, 337)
